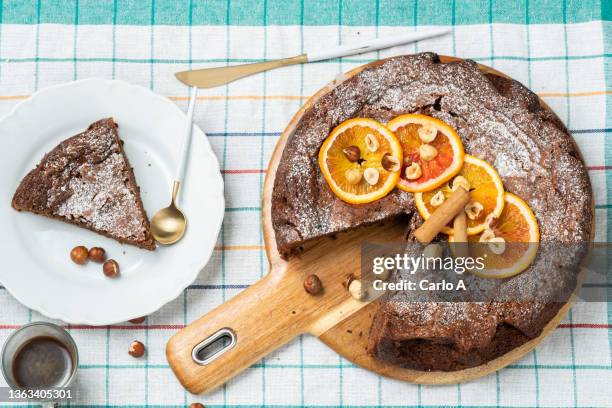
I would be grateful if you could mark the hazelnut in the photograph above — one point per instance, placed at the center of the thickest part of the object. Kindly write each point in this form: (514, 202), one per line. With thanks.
(432, 251)
(497, 245)
(347, 281)
(352, 153)
(79, 255)
(390, 163)
(427, 133)
(491, 220)
(138, 320)
(313, 285)
(384, 275)
(97, 254)
(486, 236)
(461, 181)
(196, 405)
(473, 210)
(355, 289)
(437, 199)
(427, 152)
(371, 142)
(137, 349)
(111, 268)
(371, 176)
(413, 171)
(353, 176)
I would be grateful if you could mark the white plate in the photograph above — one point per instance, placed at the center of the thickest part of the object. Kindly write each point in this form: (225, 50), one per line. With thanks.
(36, 267)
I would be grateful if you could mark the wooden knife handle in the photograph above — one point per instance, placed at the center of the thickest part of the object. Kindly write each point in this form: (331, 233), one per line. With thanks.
(262, 318)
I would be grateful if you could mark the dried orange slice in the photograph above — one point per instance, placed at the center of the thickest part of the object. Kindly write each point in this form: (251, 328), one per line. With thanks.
(361, 160)
(518, 229)
(433, 152)
(486, 192)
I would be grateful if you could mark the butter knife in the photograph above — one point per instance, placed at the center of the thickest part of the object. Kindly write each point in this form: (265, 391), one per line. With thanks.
(212, 77)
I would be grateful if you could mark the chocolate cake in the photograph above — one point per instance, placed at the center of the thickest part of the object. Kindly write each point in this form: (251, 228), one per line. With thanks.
(498, 120)
(87, 181)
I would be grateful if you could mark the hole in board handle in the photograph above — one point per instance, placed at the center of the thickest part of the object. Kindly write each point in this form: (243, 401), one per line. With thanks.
(213, 347)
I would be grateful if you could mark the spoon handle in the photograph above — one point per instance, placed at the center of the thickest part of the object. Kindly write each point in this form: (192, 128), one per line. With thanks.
(180, 171)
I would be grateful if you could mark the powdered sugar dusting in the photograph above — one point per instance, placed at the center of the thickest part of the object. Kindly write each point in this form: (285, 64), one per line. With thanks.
(101, 199)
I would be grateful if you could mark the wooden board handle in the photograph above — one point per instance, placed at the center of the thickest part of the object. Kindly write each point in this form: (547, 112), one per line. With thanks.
(262, 318)
(277, 309)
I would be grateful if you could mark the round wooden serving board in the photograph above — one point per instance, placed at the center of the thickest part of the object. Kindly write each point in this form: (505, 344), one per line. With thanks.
(276, 309)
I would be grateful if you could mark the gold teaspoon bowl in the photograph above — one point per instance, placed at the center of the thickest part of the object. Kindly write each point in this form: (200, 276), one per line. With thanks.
(168, 225)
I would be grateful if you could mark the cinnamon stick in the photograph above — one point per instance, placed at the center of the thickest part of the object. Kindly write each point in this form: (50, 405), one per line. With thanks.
(442, 216)
(460, 238)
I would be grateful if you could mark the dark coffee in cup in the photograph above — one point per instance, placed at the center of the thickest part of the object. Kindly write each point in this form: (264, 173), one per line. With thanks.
(42, 362)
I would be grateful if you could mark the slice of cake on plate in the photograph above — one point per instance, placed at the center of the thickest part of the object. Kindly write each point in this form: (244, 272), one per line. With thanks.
(87, 180)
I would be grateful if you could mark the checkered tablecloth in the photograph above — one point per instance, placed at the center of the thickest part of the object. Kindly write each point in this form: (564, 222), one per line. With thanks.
(559, 49)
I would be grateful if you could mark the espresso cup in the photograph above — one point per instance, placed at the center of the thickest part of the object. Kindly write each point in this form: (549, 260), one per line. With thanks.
(26, 335)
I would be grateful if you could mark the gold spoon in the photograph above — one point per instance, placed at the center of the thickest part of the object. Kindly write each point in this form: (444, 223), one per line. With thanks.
(168, 225)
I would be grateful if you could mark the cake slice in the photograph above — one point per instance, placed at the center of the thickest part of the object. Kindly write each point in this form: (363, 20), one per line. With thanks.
(87, 181)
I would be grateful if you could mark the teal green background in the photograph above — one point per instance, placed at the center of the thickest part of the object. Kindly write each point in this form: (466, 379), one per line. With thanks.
(306, 12)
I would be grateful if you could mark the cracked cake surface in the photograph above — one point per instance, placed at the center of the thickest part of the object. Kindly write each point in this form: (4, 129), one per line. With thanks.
(87, 180)
(498, 120)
